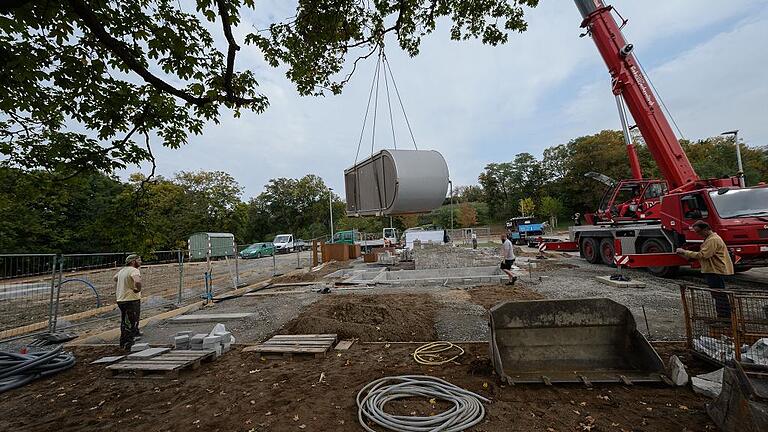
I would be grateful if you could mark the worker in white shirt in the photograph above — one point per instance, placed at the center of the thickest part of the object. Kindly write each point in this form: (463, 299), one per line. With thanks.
(508, 260)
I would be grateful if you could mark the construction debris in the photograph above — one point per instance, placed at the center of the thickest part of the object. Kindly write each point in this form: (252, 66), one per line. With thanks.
(676, 371)
(742, 405)
(709, 384)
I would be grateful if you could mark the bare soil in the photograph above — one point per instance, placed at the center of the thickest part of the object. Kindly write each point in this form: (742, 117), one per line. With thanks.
(241, 392)
(369, 317)
(491, 295)
(311, 276)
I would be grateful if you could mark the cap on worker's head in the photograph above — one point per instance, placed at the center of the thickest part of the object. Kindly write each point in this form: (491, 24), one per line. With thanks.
(131, 258)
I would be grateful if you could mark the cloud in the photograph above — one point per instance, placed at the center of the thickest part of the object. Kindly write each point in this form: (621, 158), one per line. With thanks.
(478, 104)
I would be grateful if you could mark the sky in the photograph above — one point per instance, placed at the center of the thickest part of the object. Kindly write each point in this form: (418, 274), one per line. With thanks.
(479, 104)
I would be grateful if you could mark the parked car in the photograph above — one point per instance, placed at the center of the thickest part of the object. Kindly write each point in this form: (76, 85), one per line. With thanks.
(258, 250)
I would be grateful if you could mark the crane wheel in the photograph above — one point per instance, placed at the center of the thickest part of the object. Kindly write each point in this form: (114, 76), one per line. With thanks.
(590, 250)
(656, 246)
(607, 251)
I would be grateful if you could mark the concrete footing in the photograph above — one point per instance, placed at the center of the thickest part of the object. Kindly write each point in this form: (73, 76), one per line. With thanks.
(619, 284)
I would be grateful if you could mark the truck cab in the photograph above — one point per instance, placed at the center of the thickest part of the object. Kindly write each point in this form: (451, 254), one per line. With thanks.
(739, 216)
(284, 243)
(523, 229)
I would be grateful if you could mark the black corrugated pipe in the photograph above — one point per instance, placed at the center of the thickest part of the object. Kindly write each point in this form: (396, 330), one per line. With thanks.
(17, 370)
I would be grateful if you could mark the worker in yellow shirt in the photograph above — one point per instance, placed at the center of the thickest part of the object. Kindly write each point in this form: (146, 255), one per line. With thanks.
(715, 264)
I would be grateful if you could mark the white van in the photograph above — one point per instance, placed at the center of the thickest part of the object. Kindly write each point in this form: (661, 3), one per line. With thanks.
(284, 243)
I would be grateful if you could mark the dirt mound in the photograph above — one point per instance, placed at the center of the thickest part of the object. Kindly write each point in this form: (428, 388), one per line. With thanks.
(386, 317)
(311, 276)
(491, 295)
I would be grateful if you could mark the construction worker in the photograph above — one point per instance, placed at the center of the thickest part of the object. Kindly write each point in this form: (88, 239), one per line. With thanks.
(128, 292)
(715, 264)
(508, 258)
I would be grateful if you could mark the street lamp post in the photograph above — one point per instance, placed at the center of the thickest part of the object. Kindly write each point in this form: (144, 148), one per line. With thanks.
(450, 183)
(740, 174)
(330, 209)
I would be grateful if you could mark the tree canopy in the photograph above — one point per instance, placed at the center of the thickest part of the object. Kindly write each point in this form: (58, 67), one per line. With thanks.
(87, 83)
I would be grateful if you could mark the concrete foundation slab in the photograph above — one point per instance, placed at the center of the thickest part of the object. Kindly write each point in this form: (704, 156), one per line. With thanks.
(468, 275)
(202, 318)
(619, 284)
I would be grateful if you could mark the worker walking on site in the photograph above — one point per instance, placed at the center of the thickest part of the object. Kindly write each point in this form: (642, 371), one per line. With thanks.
(508, 258)
(128, 291)
(715, 264)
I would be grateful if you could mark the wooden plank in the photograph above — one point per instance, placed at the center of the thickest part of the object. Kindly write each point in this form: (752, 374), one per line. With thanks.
(287, 349)
(202, 318)
(296, 347)
(344, 345)
(309, 344)
(305, 336)
(144, 366)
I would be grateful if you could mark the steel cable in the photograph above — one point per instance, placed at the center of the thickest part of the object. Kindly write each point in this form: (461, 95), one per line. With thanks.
(466, 412)
(17, 370)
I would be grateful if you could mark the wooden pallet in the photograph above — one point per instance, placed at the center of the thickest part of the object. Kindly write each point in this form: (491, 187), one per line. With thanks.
(165, 365)
(290, 345)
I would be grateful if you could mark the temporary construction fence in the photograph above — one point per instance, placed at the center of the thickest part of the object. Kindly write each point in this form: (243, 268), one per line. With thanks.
(39, 293)
(464, 235)
(726, 325)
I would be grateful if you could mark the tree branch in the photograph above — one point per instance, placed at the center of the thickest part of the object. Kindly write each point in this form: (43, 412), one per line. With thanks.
(122, 51)
(231, 50)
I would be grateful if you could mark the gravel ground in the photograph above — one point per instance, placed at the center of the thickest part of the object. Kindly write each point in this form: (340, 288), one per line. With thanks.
(460, 319)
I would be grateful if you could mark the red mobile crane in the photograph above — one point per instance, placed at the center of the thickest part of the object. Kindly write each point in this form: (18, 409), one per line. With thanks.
(663, 210)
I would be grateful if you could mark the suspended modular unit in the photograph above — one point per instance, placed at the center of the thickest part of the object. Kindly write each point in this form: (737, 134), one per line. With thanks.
(576, 340)
(393, 182)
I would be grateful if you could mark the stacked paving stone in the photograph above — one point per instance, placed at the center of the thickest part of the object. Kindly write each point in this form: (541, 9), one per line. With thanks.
(219, 342)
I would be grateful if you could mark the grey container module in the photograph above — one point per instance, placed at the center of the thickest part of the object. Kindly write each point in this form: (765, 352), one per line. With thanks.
(203, 244)
(395, 182)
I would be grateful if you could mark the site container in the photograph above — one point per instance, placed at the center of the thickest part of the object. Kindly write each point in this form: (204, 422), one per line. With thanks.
(393, 182)
(203, 244)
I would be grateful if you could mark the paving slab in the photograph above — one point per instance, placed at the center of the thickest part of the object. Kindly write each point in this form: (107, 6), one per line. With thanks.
(620, 284)
(202, 318)
(108, 359)
(147, 353)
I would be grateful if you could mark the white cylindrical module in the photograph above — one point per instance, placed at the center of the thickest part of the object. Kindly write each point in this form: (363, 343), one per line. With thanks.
(393, 182)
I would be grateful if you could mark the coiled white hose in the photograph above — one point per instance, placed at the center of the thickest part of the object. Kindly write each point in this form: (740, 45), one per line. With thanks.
(466, 412)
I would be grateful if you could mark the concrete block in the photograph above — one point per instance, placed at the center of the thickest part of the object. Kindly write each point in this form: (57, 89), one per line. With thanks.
(181, 342)
(197, 339)
(676, 371)
(619, 284)
(147, 353)
(225, 347)
(211, 340)
(139, 347)
(226, 337)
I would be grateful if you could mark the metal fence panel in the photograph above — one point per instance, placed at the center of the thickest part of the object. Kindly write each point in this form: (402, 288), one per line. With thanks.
(724, 326)
(26, 285)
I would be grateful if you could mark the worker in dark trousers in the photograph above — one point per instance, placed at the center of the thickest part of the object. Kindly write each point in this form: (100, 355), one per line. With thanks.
(508, 259)
(715, 264)
(128, 292)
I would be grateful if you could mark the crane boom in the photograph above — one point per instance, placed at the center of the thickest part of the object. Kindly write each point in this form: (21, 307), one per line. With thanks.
(632, 86)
